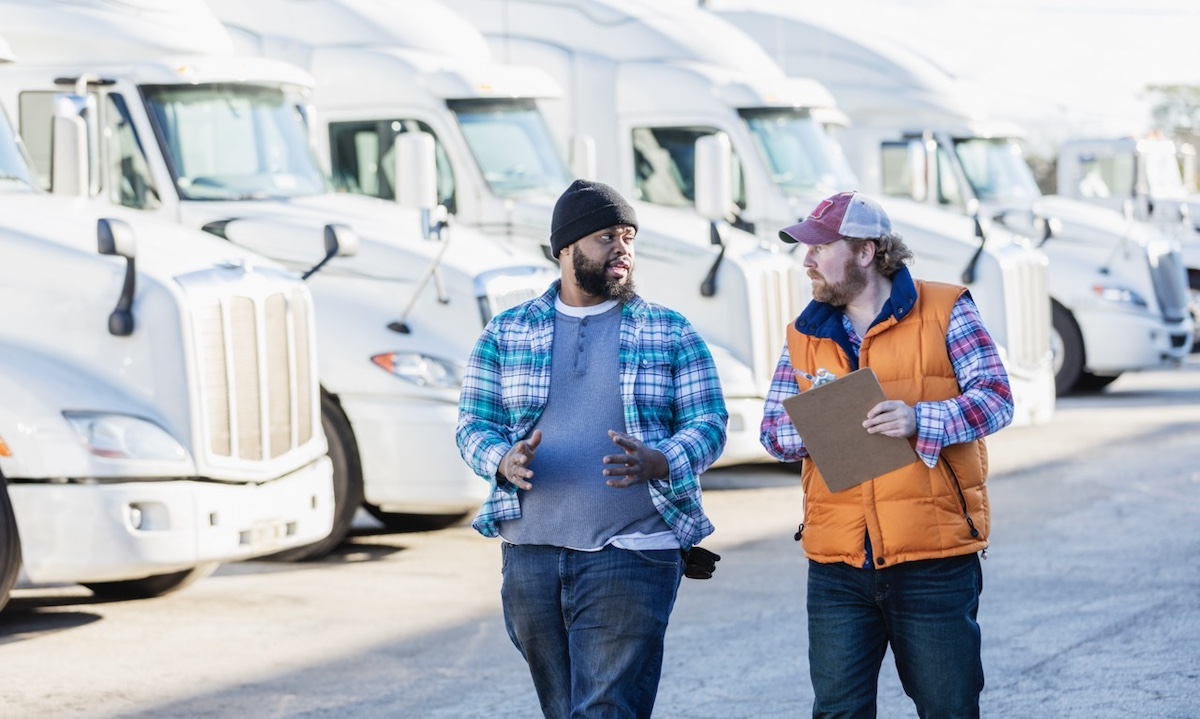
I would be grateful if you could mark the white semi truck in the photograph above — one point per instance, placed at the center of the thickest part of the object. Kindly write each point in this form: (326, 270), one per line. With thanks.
(159, 387)
(1118, 286)
(646, 81)
(1152, 179)
(210, 140)
(385, 69)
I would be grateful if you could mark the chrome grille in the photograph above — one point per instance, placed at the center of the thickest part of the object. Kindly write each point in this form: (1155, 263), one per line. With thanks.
(784, 291)
(257, 374)
(1028, 312)
(499, 290)
(1170, 280)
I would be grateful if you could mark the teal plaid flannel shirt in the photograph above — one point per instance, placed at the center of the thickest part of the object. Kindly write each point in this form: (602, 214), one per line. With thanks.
(669, 389)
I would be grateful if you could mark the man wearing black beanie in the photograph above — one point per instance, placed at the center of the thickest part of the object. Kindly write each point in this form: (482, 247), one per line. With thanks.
(592, 414)
(584, 208)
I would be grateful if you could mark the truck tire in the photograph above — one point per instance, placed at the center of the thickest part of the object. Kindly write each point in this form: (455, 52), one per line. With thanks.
(152, 586)
(10, 545)
(1066, 344)
(1089, 382)
(1194, 307)
(404, 522)
(347, 484)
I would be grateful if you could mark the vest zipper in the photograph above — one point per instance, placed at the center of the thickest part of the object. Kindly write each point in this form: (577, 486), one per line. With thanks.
(962, 500)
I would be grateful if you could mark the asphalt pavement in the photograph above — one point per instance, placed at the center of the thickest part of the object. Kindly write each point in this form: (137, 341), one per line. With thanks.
(1089, 608)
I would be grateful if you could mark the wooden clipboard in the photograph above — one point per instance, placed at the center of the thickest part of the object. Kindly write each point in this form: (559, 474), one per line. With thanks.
(829, 419)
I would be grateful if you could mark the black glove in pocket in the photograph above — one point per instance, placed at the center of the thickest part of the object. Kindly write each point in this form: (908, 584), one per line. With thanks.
(699, 563)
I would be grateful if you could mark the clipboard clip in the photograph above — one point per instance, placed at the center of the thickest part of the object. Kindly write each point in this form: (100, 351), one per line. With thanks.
(823, 376)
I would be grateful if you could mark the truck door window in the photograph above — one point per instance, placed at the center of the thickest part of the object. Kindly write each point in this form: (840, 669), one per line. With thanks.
(1099, 175)
(896, 176)
(664, 161)
(362, 156)
(948, 190)
(36, 118)
(128, 178)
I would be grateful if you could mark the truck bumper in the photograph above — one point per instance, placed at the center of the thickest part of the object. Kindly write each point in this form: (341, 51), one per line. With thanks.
(128, 530)
(410, 459)
(741, 440)
(1116, 342)
(1034, 396)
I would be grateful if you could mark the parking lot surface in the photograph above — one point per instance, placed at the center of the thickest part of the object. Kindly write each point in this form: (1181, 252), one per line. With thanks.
(1089, 608)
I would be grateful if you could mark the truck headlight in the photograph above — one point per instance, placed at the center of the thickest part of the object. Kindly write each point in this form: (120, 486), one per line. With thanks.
(1119, 295)
(122, 436)
(421, 369)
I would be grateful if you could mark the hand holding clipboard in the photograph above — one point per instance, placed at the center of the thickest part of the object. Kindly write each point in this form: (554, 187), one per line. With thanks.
(829, 418)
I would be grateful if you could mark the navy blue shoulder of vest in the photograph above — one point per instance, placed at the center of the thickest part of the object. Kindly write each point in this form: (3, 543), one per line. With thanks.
(904, 293)
(819, 319)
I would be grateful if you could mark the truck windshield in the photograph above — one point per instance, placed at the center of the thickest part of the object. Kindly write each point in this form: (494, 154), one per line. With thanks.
(234, 141)
(996, 169)
(512, 145)
(799, 155)
(14, 170)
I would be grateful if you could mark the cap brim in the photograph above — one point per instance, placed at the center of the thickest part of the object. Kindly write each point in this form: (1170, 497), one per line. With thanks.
(809, 233)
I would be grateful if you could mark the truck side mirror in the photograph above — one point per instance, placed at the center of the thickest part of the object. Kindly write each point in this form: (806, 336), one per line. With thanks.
(69, 170)
(918, 170)
(583, 157)
(416, 170)
(713, 179)
(416, 181)
(115, 237)
(340, 241)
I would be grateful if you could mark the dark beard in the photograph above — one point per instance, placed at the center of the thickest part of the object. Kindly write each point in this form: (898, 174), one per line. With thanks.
(839, 294)
(594, 280)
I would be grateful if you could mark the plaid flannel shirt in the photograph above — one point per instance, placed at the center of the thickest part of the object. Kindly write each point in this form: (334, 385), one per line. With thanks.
(669, 389)
(984, 407)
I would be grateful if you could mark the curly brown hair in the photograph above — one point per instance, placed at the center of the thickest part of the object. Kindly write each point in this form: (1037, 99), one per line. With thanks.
(890, 252)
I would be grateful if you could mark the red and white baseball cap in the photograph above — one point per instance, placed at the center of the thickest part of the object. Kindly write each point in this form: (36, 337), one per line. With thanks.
(846, 214)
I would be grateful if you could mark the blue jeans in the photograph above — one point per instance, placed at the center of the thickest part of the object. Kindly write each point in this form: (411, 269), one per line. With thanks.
(590, 625)
(926, 610)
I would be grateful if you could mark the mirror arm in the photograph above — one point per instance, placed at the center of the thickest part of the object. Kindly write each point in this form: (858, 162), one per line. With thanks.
(120, 322)
(716, 235)
(968, 275)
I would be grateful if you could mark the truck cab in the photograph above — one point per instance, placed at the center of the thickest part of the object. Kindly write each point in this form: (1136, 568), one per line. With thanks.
(1117, 288)
(160, 410)
(219, 142)
(1149, 178)
(391, 69)
(646, 82)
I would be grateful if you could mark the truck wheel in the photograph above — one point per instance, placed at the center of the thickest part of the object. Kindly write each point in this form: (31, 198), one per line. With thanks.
(153, 586)
(10, 545)
(1194, 306)
(404, 522)
(347, 484)
(1066, 345)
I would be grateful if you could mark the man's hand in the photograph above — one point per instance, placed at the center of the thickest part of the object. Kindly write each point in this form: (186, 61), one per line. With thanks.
(639, 463)
(515, 465)
(892, 418)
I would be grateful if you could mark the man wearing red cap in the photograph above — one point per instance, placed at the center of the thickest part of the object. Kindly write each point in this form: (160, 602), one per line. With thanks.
(893, 561)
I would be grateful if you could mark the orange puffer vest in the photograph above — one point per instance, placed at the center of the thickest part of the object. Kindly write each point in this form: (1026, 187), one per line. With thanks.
(914, 512)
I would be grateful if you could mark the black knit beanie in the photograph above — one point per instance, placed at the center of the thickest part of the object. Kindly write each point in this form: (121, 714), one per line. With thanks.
(587, 207)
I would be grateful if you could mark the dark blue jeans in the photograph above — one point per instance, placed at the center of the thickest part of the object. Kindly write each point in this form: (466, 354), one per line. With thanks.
(925, 610)
(590, 625)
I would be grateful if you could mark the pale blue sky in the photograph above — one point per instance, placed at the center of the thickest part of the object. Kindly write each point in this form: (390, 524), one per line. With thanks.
(1061, 67)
